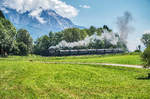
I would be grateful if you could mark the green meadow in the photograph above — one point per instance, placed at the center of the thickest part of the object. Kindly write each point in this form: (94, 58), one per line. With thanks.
(116, 59)
(28, 78)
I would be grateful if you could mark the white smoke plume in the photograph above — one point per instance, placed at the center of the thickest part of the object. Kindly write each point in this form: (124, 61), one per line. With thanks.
(124, 27)
(109, 36)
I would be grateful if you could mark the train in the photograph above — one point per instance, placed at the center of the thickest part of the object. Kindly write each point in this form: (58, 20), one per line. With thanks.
(60, 52)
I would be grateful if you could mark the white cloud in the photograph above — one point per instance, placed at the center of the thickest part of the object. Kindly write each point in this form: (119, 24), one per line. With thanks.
(36, 14)
(85, 6)
(36, 7)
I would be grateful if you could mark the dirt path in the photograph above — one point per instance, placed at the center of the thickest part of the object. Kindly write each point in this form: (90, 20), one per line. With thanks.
(106, 64)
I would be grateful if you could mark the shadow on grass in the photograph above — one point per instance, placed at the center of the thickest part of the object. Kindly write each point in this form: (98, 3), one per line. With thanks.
(143, 78)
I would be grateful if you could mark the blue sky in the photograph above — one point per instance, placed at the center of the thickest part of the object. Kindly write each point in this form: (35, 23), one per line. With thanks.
(106, 12)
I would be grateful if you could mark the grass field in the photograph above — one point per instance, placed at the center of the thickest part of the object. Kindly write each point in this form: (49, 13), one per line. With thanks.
(117, 59)
(22, 79)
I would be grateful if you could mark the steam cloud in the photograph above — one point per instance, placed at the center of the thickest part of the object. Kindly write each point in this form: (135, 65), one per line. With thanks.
(109, 36)
(124, 27)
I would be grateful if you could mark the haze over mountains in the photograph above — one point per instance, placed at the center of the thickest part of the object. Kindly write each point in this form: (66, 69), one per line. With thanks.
(52, 22)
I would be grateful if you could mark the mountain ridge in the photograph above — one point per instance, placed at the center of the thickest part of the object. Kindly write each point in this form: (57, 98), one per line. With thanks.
(53, 22)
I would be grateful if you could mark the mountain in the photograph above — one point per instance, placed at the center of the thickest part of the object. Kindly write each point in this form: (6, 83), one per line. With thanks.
(53, 22)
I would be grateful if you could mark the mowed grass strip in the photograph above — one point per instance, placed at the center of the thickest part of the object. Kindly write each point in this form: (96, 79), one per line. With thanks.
(31, 80)
(115, 59)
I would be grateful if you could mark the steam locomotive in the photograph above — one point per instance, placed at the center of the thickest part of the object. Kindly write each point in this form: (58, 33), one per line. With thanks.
(57, 52)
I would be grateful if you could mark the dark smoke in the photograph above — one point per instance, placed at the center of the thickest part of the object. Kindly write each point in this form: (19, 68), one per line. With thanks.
(124, 27)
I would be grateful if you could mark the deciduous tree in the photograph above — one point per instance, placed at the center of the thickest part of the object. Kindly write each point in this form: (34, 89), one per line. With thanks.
(24, 39)
(7, 35)
(146, 39)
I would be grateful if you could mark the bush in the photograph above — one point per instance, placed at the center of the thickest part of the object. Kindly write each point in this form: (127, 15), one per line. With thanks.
(137, 51)
(146, 57)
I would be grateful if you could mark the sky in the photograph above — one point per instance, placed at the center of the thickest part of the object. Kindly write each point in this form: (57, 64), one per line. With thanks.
(92, 12)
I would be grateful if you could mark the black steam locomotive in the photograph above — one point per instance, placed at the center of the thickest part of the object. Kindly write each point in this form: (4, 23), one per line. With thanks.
(57, 52)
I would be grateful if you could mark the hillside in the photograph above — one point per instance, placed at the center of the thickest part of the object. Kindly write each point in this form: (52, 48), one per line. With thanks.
(52, 22)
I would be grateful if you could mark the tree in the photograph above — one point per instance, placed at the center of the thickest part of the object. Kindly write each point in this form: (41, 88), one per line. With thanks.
(1, 14)
(73, 34)
(146, 39)
(91, 30)
(99, 31)
(42, 45)
(139, 47)
(7, 36)
(146, 58)
(58, 37)
(107, 44)
(83, 34)
(98, 44)
(25, 42)
(107, 28)
(23, 49)
(15, 50)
